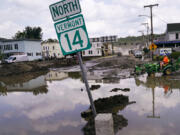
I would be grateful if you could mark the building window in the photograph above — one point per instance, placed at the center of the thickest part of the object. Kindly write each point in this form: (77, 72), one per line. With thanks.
(29, 54)
(90, 52)
(177, 36)
(8, 47)
(53, 47)
(38, 54)
(83, 52)
(16, 46)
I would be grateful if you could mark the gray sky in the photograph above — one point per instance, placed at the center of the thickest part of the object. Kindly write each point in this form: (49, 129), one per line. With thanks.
(102, 17)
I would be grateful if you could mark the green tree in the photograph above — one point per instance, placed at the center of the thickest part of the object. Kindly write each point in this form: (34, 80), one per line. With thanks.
(146, 50)
(1, 55)
(29, 33)
(19, 35)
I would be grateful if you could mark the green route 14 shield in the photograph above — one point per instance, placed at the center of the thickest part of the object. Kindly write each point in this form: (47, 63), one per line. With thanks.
(72, 35)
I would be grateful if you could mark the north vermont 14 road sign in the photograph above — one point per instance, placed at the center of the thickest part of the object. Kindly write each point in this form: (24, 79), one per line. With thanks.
(72, 35)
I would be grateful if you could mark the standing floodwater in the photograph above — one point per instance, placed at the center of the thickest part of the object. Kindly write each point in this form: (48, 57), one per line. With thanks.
(57, 104)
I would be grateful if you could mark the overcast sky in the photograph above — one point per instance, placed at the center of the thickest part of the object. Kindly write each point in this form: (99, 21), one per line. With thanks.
(102, 17)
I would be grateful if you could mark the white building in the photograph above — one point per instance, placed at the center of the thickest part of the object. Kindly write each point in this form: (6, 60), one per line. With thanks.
(100, 46)
(95, 50)
(108, 39)
(173, 32)
(32, 48)
(51, 50)
(171, 38)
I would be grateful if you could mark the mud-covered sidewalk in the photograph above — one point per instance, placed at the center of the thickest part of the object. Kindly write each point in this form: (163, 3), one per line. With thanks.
(103, 63)
(33, 66)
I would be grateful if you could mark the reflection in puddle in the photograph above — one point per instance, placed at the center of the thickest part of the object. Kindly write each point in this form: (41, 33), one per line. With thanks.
(55, 75)
(112, 105)
(119, 122)
(36, 86)
(165, 82)
(57, 108)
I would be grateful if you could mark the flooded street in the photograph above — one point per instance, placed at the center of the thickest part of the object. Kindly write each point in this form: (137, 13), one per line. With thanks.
(55, 103)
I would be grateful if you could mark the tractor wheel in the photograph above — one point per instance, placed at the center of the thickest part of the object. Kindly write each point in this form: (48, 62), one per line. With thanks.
(151, 74)
(168, 71)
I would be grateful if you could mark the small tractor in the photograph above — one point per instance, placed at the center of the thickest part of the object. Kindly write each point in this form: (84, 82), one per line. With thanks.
(151, 68)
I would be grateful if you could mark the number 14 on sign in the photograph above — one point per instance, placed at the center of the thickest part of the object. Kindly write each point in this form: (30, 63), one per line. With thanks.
(76, 41)
(72, 39)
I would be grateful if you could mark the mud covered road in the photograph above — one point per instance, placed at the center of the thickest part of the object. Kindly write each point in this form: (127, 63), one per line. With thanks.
(115, 67)
(112, 64)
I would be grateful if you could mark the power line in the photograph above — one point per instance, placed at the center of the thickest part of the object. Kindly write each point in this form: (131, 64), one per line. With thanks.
(161, 19)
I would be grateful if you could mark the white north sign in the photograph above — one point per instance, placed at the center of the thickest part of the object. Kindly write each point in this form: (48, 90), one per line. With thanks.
(64, 9)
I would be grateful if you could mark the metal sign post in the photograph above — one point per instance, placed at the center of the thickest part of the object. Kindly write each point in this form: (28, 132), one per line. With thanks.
(86, 83)
(72, 33)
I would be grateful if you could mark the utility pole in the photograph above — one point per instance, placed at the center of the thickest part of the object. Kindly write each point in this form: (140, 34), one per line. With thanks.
(151, 16)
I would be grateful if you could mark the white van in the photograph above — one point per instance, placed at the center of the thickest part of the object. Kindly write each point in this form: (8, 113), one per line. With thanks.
(16, 58)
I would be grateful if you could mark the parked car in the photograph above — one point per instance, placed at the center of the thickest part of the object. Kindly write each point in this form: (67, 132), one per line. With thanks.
(16, 58)
(138, 54)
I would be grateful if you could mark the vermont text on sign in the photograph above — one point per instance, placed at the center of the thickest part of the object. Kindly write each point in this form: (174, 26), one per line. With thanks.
(65, 26)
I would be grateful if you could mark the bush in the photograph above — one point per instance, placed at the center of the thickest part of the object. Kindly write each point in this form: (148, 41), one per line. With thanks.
(175, 55)
(158, 58)
(146, 50)
(1, 56)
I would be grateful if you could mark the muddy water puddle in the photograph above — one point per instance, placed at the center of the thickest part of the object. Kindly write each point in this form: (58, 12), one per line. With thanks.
(56, 103)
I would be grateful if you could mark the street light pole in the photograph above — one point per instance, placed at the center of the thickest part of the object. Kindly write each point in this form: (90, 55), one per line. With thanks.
(147, 27)
(142, 35)
(148, 38)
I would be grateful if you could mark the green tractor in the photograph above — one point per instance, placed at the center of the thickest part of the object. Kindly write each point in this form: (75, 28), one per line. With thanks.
(151, 68)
